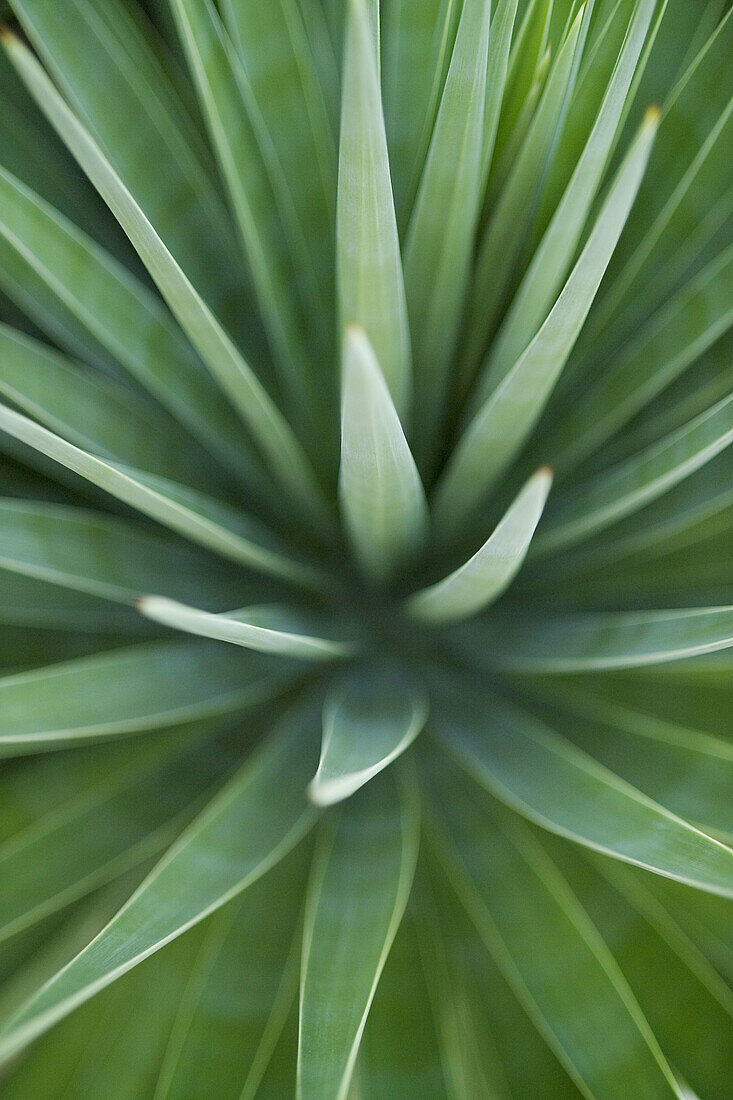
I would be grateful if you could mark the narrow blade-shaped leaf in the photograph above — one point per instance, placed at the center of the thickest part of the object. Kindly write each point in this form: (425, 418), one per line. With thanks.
(501, 425)
(269, 429)
(500, 872)
(131, 690)
(370, 280)
(490, 571)
(595, 641)
(369, 719)
(253, 823)
(359, 887)
(381, 494)
(603, 500)
(547, 779)
(441, 232)
(190, 514)
(271, 629)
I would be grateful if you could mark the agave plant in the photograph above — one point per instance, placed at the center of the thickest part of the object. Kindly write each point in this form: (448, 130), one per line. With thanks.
(365, 546)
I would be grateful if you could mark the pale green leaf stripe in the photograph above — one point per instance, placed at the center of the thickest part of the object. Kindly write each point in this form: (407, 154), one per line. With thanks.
(381, 494)
(673, 340)
(266, 629)
(97, 412)
(609, 497)
(500, 38)
(285, 456)
(252, 824)
(485, 576)
(594, 1025)
(122, 315)
(440, 237)
(504, 233)
(359, 887)
(106, 827)
(189, 514)
(549, 780)
(35, 604)
(132, 690)
(98, 57)
(502, 424)
(555, 252)
(369, 719)
(599, 640)
(240, 991)
(103, 556)
(370, 281)
(215, 69)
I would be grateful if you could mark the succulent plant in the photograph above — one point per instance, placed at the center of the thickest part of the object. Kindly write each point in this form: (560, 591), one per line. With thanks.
(366, 711)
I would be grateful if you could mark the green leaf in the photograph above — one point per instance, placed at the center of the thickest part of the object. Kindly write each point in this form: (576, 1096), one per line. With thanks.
(504, 420)
(221, 85)
(66, 279)
(673, 340)
(104, 829)
(269, 629)
(95, 412)
(556, 785)
(485, 576)
(269, 429)
(441, 232)
(193, 515)
(99, 57)
(500, 873)
(382, 497)
(550, 262)
(369, 719)
(600, 502)
(240, 991)
(254, 822)
(370, 280)
(358, 890)
(507, 226)
(27, 602)
(132, 690)
(595, 641)
(107, 557)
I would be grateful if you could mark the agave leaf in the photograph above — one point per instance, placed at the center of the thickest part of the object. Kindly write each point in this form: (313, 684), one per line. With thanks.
(399, 1053)
(381, 494)
(284, 454)
(240, 992)
(359, 887)
(550, 262)
(221, 88)
(417, 43)
(498, 869)
(547, 779)
(27, 602)
(268, 629)
(443, 223)
(672, 340)
(191, 514)
(95, 412)
(255, 820)
(686, 770)
(595, 641)
(131, 690)
(624, 489)
(68, 276)
(369, 719)
(485, 576)
(103, 556)
(500, 38)
(98, 57)
(105, 829)
(507, 227)
(663, 968)
(503, 421)
(369, 266)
